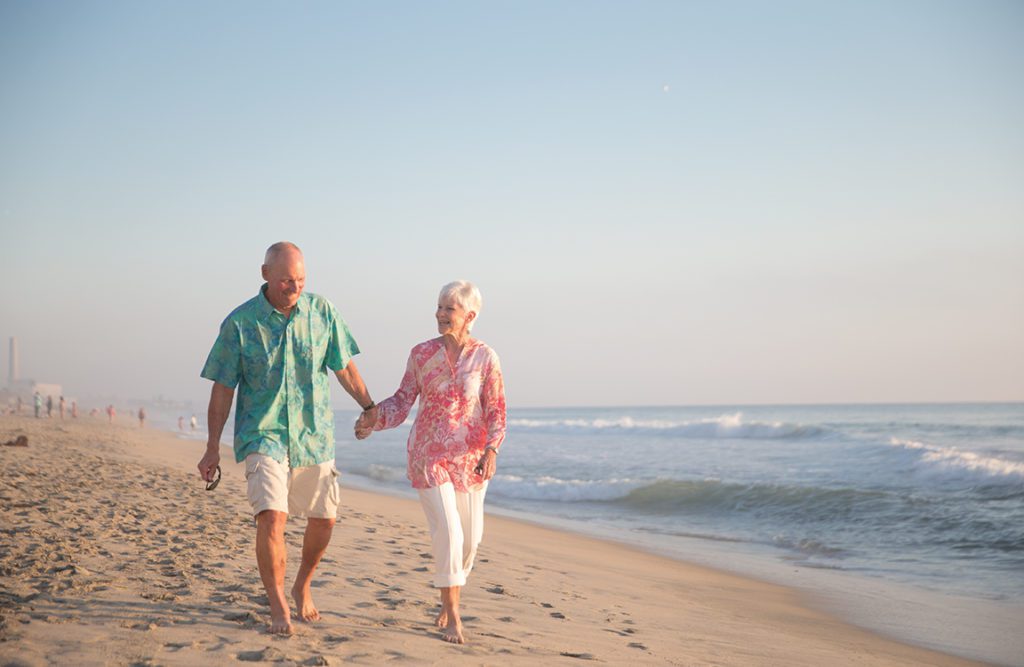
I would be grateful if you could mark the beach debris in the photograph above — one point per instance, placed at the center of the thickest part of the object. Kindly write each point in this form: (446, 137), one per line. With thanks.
(20, 441)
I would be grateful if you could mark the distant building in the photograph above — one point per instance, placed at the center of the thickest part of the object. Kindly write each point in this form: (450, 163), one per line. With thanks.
(24, 388)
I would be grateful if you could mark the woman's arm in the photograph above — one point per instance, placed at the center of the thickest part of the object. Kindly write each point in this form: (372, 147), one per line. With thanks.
(492, 396)
(392, 412)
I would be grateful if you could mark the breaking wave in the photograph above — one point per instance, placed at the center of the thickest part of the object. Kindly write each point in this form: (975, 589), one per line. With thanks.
(724, 426)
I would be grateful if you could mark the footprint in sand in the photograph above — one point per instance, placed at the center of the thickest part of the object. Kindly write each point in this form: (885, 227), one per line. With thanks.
(637, 645)
(269, 654)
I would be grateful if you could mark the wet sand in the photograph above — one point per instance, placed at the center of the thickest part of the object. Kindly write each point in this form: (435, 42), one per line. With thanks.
(112, 553)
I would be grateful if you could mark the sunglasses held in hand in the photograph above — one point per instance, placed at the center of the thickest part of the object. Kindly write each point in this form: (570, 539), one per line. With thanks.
(212, 484)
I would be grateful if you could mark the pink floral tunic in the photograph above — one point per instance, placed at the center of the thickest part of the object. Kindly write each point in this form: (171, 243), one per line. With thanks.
(461, 411)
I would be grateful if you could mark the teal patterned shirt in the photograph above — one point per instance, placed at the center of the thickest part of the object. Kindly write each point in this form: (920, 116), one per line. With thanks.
(281, 368)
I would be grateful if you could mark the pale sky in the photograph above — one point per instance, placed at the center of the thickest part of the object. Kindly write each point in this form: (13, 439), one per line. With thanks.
(662, 202)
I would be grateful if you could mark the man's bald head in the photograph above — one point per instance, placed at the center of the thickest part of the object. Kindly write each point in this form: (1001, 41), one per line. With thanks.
(279, 250)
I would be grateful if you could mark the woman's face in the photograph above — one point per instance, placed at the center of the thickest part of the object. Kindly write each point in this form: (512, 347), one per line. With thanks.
(452, 318)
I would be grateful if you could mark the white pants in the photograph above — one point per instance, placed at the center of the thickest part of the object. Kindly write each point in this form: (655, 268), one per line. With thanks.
(456, 523)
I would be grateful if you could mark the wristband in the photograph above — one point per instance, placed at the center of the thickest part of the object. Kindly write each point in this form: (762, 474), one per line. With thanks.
(369, 407)
(492, 448)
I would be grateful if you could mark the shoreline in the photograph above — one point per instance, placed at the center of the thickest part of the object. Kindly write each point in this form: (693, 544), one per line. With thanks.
(121, 579)
(897, 611)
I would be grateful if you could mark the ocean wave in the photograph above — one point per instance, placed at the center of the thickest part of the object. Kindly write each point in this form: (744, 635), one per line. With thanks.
(551, 489)
(667, 496)
(383, 473)
(724, 426)
(802, 503)
(956, 463)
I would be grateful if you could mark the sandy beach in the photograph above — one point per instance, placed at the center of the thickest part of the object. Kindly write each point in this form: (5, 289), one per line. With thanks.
(114, 554)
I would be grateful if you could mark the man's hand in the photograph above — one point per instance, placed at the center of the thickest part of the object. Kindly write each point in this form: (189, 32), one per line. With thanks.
(208, 464)
(365, 423)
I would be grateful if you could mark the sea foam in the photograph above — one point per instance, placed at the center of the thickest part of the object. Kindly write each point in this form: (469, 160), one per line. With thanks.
(959, 464)
(724, 426)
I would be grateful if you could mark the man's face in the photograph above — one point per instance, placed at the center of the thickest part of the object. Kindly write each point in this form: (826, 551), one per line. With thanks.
(285, 279)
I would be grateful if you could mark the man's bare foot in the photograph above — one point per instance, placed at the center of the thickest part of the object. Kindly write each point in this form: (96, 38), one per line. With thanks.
(280, 625)
(307, 611)
(442, 618)
(453, 632)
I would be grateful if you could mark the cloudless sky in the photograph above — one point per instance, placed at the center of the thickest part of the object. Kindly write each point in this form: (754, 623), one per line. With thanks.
(662, 202)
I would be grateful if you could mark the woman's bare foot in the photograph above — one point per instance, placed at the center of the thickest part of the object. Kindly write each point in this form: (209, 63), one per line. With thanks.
(307, 611)
(442, 618)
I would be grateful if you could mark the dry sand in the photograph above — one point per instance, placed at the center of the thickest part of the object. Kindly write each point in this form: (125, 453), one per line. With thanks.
(112, 553)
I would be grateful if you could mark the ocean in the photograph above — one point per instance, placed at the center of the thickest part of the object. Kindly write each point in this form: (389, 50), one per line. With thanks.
(910, 518)
(905, 519)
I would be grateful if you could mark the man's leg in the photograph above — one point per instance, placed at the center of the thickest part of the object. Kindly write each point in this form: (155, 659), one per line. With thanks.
(313, 493)
(267, 489)
(314, 544)
(271, 559)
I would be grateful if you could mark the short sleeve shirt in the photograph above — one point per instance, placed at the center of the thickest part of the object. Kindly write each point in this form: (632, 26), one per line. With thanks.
(282, 367)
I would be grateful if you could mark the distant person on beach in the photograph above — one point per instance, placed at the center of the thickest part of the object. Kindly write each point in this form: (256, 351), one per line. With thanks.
(192, 423)
(111, 413)
(181, 423)
(38, 400)
(280, 348)
(49, 406)
(74, 409)
(142, 417)
(61, 407)
(453, 445)
(18, 409)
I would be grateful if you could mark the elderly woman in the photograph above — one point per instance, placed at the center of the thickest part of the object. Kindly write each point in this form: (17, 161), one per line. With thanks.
(454, 442)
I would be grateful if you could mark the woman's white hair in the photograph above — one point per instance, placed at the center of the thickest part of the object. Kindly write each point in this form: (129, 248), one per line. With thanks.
(466, 295)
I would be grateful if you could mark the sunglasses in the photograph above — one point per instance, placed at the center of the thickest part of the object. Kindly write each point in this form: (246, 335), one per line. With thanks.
(212, 484)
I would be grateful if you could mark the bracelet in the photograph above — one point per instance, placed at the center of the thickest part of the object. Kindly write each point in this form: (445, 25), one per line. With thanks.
(492, 448)
(369, 407)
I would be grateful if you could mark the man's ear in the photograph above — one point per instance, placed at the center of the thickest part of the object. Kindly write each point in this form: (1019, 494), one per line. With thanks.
(264, 271)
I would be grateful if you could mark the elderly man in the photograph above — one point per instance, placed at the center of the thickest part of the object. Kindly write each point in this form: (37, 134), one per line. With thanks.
(277, 348)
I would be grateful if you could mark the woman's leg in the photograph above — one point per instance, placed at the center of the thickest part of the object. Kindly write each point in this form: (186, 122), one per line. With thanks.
(470, 507)
(446, 539)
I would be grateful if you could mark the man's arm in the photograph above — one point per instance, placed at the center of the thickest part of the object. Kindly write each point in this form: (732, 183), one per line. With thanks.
(353, 383)
(216, 417)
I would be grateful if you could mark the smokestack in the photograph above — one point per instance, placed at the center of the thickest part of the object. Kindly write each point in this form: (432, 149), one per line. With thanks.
(12, 372)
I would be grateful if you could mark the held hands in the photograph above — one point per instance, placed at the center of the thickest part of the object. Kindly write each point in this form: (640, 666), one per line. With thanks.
(364, 425)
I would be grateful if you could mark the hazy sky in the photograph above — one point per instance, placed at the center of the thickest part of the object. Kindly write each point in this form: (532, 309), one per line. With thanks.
(662, 202)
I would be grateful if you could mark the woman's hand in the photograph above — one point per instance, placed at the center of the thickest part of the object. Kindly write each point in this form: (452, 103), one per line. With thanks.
(488, 464)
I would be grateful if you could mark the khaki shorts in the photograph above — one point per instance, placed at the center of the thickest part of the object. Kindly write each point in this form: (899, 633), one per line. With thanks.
(309, 491)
